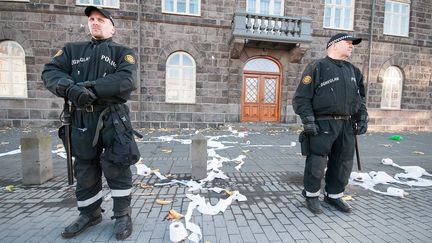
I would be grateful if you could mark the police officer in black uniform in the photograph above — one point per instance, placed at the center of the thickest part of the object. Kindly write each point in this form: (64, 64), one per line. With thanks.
(330, 100)
(97, 77)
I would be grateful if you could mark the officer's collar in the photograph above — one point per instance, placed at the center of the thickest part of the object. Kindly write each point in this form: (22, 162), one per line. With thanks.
(336, 61)
(94, 41)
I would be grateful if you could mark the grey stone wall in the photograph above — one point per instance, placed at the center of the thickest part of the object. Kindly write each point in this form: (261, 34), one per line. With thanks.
(42, 27)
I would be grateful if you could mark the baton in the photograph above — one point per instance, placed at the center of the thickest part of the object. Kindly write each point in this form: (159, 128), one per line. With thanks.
(67, 123)
(357, 153)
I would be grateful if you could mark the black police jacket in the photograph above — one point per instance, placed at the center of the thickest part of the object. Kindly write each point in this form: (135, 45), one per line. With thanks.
(111, 66)
(330, 87)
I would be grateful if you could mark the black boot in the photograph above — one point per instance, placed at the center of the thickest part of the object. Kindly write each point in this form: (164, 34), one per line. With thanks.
(339, 204)
(312, 203)
(81, 223)
(123, 227)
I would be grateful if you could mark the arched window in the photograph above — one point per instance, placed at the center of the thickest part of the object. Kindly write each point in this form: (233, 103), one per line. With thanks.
(392, 88)
(180, 78)
(261, 65)
(13, 75)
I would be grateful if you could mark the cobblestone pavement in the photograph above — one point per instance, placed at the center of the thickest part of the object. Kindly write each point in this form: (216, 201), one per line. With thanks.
(271, 179)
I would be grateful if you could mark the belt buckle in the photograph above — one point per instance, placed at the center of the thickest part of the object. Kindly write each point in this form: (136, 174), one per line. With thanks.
(89, 108)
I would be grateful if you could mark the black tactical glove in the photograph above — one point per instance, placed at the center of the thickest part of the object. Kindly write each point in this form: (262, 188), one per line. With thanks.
(80, 96)
(62, 85)
(309, 126)
(361, 126)
(87, 84)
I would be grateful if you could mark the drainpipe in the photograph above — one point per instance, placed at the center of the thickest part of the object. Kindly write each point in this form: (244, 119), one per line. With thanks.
(370, 49)
(139, 66)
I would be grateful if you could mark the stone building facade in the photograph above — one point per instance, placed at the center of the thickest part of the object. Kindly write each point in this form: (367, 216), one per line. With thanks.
(239, 74)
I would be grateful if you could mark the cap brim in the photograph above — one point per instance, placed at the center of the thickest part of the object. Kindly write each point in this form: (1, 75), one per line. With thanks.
(355, 41)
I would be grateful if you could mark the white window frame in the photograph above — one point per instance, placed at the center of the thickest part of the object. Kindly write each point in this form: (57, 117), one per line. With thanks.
(180, 13)
(104, 5)
(332, 4)
(389, 17)
(11, 70)
(271, 7)
(23, 1)
(392, 81)
(179, 85)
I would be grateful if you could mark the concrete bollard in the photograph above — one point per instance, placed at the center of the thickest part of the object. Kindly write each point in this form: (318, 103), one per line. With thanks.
(36, 158)
(198, 155)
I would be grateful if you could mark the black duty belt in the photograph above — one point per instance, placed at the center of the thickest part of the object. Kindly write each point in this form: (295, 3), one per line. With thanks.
(332, 117)
(90, 108)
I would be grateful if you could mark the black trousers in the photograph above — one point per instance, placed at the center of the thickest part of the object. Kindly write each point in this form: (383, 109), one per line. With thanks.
(88, 167)
(333, 148)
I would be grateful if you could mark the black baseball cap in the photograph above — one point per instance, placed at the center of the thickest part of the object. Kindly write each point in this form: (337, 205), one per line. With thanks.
(343, 36)
(104, 12)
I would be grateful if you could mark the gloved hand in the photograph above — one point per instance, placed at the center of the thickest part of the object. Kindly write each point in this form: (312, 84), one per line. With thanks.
(80, 96)
(87, 84)
(361, 126)
(309, 126)
(62, 85)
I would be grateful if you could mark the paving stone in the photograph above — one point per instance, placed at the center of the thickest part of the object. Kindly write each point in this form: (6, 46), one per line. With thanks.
(246, 234)
(222, 235)
(232, 227)
(270, 233)
(235, 238)
(261, 238)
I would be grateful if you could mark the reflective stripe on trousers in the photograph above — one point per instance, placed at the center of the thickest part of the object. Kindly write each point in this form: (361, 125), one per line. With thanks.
(89, 201)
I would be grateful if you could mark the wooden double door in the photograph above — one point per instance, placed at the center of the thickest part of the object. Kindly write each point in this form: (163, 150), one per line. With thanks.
(261, 97)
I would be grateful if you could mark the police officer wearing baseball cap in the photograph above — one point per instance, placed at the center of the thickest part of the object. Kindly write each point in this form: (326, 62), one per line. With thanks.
(330, 100)
(97, 77)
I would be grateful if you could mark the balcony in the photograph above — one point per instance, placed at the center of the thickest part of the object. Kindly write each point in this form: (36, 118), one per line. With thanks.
(270, 31)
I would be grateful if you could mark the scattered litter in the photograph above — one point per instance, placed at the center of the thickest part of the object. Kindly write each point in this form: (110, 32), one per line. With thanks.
(144, 185)
(158, 174)
(4, 143)
(16, 151)
(397, 192)
(348, 198)
(396, 137)
(9, 188)
(418, 152)
(411, 177)
(178, 232)
(142, 169)
(386, 145)
(144, 193)
(173, 215)
(167, 151)
(387, 161)
(163, 202)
